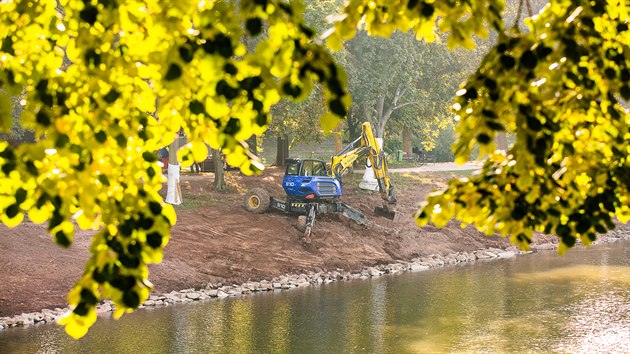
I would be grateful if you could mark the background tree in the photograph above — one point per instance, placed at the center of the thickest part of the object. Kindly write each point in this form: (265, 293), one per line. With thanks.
(556, 89)
(219, 175)
(293, 122)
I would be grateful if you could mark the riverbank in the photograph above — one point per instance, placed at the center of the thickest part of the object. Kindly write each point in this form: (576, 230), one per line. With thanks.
(292, 281)
(216, 243)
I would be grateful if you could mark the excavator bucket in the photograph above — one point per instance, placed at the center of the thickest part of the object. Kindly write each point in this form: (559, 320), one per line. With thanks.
(386, 212)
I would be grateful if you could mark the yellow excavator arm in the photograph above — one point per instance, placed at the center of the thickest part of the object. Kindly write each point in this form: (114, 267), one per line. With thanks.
(365, 145)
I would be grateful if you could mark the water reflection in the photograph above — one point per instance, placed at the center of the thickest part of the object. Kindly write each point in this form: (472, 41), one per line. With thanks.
(280, 331)
(537, 303)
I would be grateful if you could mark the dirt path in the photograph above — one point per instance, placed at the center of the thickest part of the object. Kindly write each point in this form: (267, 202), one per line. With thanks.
(436, 167)
(219, 241)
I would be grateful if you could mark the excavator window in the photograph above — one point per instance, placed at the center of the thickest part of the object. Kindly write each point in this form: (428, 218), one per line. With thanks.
(307, 168)
(292, 169)
(313, 168)
(319, 169)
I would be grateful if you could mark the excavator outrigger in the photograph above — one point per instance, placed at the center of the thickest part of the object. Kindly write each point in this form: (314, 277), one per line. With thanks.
(313, 188)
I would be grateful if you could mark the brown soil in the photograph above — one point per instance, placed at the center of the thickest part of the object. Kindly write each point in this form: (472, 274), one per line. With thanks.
(217, 240)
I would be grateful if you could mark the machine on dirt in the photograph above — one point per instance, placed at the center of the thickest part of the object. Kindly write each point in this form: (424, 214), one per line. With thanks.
(312, 188)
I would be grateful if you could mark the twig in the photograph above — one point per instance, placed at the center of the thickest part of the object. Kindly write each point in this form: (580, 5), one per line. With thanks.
(518, 14)
(529, 8)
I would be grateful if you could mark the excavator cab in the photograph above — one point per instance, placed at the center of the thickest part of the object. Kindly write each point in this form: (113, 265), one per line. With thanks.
(313, 187)
(308, 179)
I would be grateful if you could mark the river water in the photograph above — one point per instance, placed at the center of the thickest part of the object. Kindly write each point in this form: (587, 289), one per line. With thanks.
(579, 302)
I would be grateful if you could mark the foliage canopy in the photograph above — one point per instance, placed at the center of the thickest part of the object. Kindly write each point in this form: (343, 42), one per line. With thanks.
(107, 83)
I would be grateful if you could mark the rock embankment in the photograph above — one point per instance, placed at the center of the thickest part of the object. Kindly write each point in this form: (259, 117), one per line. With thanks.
(287, 282)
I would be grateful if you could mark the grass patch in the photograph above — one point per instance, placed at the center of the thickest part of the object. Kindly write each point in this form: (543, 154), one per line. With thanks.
(455, 173)
(192, 202)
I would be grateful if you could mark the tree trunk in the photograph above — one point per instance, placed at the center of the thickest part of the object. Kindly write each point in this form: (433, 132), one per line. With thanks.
(219, 177)
(407, 147)
(380, 118)
(354, 125)
(253, 144)
(282, 150)
(338, 142)
(173, 191)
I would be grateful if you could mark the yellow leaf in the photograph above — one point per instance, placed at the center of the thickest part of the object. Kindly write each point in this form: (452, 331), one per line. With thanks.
(153, 256)
(118, 312)
(6, 119)
(460, 160)
(84, 222)
(524, 181)
(169, 212)
(77, 326)
(585, 240)
(582, 179)
(38, 216)
(334, 42)
(74, 296)
(218, 109)
(12, 222)
(562, 248)
(199, 151)
(185, 155)
(329, 122)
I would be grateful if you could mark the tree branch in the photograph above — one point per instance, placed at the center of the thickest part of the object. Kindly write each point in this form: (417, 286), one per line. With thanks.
(406, 104)
(518, 14)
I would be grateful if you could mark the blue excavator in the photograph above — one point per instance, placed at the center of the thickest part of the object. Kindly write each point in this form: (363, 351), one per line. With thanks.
(313, 188)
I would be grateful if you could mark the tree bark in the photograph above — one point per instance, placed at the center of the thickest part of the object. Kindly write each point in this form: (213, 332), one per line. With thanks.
(219, 176)
(253, 144)
(338, 142)
(173, 192)
(282, 150)
(383, 114)
(406, 141)
(354, 125)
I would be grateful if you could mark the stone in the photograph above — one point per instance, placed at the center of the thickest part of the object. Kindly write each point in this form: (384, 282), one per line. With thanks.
(418, 267)
(193, 296)
(506, 254)
(490, 254)
(544, 247)
(481, 255)
(374, 272)
(25, 320)
(438, 263)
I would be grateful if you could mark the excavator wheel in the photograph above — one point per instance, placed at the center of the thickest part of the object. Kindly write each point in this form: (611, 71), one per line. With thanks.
(257, 200)
(301, 223)
(304, 228)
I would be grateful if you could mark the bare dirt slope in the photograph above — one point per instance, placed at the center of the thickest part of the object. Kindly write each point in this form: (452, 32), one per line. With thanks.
(217, 240)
